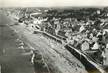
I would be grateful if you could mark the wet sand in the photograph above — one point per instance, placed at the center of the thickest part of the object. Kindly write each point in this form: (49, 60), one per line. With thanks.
(11, 58)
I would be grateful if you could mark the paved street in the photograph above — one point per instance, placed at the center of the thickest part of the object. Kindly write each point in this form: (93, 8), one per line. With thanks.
(11, 58)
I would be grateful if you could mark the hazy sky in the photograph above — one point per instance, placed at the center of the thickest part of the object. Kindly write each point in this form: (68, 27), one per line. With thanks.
(52, 3)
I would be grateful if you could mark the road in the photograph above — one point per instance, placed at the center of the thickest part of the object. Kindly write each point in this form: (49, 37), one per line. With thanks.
(11, 58)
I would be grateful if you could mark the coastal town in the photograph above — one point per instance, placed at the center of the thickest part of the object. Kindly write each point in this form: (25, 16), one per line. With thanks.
(56, 40)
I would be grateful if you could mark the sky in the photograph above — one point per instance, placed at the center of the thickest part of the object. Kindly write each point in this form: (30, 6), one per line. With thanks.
(52, 3)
